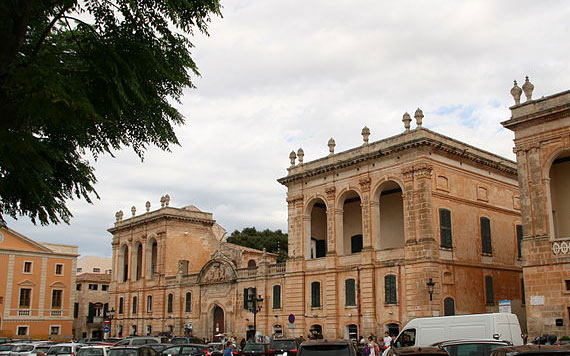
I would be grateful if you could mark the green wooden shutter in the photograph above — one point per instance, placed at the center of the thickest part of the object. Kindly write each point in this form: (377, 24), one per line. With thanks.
(445, 228)
(188, 306)
(170, 300)
(519, 239)
(486, 236)
(489, 293)
(276, 297)
(350, 292)
(315, 294)
(390, 289)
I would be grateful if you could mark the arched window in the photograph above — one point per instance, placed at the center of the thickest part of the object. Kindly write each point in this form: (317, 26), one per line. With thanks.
(134, 306)
(124, 264)
(188, 303)
(390, 214)
(351, 228)
(448, 306)
(316, 295)
(138, 262)
(149, 303)
(170, 302)
(350, 292)
(445, 228)
(276, 296)
(251, 264)
(390, 295)
(317, 230)
(486, 246)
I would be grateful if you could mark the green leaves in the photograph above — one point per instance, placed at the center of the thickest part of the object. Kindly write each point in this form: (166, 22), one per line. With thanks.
(272, 241)
(91, 76)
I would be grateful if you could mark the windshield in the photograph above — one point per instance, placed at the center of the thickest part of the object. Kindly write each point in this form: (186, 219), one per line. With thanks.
(41, 349)
(253, 347)
(22, 348)
(91, 352)
(122, 352)
(178, 340)
(471, 349)
(328, 350)
(54, 350)
(283, 344)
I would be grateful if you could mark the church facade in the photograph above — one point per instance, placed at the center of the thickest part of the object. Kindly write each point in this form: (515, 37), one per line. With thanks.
(417, 224)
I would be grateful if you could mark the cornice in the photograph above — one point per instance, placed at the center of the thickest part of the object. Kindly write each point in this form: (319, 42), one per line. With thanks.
(164, 216)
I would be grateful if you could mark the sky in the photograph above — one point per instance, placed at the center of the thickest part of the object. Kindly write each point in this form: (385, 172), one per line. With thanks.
(277, 76)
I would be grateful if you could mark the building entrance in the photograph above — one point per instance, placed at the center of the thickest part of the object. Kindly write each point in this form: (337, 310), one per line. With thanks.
(218, 323)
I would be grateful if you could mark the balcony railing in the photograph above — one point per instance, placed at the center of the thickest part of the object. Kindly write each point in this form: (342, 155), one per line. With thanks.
(277, 268)
(24, 312)
(56, 312)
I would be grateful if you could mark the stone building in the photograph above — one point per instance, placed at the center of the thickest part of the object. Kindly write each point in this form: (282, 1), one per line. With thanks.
(542, 146)
(91, 303)
(94, 264)
(417, 224)
(37, 287)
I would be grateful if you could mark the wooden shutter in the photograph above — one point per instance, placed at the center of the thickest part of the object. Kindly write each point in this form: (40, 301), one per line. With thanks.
(486, 236)
(448, 306)
(445, 228)
(390, 289)
(519, 240)
(489, 293)
(276, 297)
(315, 294)
(350, 292)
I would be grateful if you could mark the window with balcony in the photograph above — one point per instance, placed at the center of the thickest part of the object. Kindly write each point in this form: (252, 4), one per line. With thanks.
(25, 298)
(56, 298)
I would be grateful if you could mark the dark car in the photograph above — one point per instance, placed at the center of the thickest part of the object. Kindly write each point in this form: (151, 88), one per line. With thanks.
(255, 349)
(186, 349)
(417, 351)
(178, 340)
(476, 347)
(132, 351)
(327, 347)
(533, 350)
(278, 346)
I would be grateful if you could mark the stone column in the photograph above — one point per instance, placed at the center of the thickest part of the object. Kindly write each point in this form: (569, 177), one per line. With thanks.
(331, 237)
(367, 243)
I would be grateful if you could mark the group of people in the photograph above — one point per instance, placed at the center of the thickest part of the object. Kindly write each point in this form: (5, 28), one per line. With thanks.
(374, 347)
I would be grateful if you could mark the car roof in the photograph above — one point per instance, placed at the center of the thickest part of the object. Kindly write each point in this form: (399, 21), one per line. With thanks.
(472, 341)
(421, 350)
(532, 349)
(96, 346)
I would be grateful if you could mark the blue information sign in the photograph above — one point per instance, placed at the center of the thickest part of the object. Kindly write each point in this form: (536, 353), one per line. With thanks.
(291, 318)
(107, 329)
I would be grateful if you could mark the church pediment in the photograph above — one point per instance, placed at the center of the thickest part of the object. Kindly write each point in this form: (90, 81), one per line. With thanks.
(217, 271)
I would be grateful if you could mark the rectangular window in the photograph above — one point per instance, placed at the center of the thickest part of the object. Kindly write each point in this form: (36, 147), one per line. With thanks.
(523, 295)
(79, 270)
(75, 310)
(445, 228)
(22, 330)
(315, 295)
(96, 270)
(54, 330)
(519, 240)
(134, 309)
(276, 297)
(78, 286)
(188, 303)
(121, 302)
(104, 287)
(390, 296)
(25, 297)
(59, 269)
(350, 293)
(27, 267)
(93, 286)
(248, 293)
(56, 295)
(486, 246)
(170, 303)
(489, 293)
(149, 304)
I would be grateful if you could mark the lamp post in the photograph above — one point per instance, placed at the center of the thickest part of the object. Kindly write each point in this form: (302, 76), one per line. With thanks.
(254, 304)
(110, 315)
(430, 284)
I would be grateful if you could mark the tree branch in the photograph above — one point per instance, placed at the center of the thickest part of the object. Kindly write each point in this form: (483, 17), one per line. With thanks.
(46, 32)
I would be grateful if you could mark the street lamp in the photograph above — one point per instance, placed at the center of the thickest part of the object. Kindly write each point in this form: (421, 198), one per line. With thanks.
(254, 305)
(430, 285)
(110, 314)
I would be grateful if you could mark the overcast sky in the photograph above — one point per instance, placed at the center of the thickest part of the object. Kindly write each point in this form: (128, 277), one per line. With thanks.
(279, 75)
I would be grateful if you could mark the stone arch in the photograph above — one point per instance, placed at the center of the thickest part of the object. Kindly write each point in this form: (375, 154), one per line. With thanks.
(388, 214)
(137, 261)
(151, 254)
(251, 263)
(211, 327)
(316, 228)
(348, 221)
(558, 194)
(123, 273)
(449, 306)
(217, 270)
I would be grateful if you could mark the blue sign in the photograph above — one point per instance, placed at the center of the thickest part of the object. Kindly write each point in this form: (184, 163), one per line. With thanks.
(291, 318)
(107, 329)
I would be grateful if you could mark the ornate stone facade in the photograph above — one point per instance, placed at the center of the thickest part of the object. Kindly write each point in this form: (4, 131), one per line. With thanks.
(542, 146)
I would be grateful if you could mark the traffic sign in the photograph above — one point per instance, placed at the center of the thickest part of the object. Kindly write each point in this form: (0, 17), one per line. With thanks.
(107, 321)
(291, 318)
(107, 329)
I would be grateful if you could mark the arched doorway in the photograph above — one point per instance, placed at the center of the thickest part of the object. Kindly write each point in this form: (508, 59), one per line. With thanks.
(218, 314)
(349, 226)
(316, 229)
(560, 196)
(390, 215)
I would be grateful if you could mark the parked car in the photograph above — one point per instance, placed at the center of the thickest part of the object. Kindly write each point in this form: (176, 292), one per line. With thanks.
(29, 349)
(65, 349)
(533, 350)
(215, 349)
(416, 351)
(132, 351)
(186, 349)
(142, 340)
(326, 347)
(5, 340)
(177, 340)
(255, 349)
(6, 348)
(94, 350)
(278, 346)
(474, 347)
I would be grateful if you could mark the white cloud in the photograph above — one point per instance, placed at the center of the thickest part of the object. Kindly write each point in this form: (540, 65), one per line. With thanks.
(279, 75)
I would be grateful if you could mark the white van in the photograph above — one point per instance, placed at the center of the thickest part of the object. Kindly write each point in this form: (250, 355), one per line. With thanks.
(427, 331)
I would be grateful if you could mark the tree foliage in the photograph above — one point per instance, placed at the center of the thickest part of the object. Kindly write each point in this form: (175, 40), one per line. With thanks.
(272, 241)
(81, 77)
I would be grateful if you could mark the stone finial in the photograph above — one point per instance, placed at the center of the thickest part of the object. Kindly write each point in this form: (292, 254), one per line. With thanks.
(119, 215)
(516, 93)
(134, 210)
(292, 157)
(527, 88)
(147, 206)
(406, 119)
(365, 134)
(166, 200)
(300, 155)
(419, 116)
(162, 199)
(331, 145)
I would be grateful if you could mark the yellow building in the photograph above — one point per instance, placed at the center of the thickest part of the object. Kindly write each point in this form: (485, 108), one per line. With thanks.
(37, 287)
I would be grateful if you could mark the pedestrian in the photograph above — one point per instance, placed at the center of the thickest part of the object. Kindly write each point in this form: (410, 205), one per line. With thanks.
(387, 341)
(372, 346)
(242, 343)
(228, 349)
